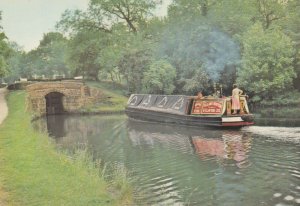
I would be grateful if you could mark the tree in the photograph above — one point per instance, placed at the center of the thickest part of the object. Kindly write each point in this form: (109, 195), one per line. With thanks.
(267, 62)
(102, 14)
(83, 53)
(197, 81)
(15, 63)
(108, 59)
(130, 11)
(199, 53)
(270, 11)
(51, 38)
(47, 59)
(79, 21)
(233, 16)
(132, 66)
(290, 25)
(190, 9)
(117, 44)
(4, 52)
(3, 66)
(159, 79)
(52, 50)
(106, 34)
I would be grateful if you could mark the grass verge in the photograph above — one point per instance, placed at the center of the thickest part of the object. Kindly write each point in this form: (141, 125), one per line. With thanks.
(32, 172)
(113, 101)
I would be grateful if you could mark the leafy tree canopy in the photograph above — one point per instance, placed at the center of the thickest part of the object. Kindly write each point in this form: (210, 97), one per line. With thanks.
(103, 14)
(267, 62)
(159, 79)
(199, 53)
(4, 52)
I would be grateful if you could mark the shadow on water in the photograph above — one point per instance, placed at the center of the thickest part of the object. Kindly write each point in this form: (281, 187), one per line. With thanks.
(177, 165)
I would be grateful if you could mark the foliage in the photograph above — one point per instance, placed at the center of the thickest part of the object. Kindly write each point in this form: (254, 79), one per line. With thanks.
(83, 51)
(290, 25)
(79, 21)
(270, 11)
(267, 68)
(109, 62)
(190, 9)
(16, 64)
(3, 67)
(101, 14)
(233, 16)
(228, 78)
(291, 98)
(5, 52)
(199, 53)
(47, 59)
(132, 12)
(3, 47)
(206, 41)
(100, 38)
(118, 43)
(199, 81)
(121, 181)
(132, 66)
(52, 51)
(159, 79)
(285, 112)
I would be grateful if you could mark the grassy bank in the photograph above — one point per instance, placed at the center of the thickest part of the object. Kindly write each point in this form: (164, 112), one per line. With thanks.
(113, 101)
(32, 172)
(108, 86)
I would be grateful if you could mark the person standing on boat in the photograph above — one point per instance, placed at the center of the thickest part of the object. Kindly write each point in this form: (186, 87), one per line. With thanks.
(236, 92)
(199, 95)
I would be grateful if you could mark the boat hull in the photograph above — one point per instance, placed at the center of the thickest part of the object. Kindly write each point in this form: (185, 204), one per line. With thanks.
(190, 120)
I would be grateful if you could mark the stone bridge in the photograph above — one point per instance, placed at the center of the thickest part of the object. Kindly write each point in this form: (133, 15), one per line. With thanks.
(59, 97)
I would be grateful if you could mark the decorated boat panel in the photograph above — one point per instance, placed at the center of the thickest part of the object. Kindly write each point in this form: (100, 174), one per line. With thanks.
(208, 106)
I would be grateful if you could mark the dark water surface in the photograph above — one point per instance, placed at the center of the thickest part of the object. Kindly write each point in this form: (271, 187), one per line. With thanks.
(176, 165)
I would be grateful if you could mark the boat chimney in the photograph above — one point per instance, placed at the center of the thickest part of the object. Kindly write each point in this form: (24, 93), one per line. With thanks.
(221, 90)
(215, 88)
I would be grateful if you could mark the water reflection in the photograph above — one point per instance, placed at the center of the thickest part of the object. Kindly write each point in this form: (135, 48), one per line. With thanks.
(175, 165)
(284, 116)
(206, 142)
(233, 145)
(56, 125)
(226, 144)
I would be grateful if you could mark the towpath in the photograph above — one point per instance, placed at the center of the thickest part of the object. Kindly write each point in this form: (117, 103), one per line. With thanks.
(3, 105)
(3, 114)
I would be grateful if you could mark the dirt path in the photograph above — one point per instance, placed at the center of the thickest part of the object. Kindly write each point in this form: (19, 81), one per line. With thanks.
(3, 114)
(3, 106)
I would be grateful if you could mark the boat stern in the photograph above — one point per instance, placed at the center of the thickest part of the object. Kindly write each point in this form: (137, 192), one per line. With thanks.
(238, 120)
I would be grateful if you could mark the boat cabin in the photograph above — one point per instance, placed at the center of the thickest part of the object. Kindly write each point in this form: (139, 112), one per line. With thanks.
(217, 106)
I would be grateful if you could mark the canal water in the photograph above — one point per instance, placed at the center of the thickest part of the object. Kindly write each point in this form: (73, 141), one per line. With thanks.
(177, 165)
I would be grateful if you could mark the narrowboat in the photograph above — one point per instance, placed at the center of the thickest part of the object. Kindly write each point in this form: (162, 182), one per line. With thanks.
(189, 110)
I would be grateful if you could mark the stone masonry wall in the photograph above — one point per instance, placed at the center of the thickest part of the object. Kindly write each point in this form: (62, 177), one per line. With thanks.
(75, 95)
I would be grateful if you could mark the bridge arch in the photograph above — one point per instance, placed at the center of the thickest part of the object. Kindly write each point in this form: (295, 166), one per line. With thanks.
(54, 103)
(58, 97)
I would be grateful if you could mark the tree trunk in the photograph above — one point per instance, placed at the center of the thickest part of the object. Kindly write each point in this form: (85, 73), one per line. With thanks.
(204, 7)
